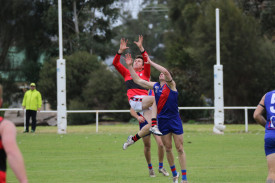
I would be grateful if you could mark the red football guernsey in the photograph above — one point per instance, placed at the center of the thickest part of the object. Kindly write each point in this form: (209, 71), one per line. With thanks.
(133, 88)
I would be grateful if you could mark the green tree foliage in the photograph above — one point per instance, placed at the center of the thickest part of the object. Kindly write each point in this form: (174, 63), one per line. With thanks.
(245, 55)
(263, 11)
(86, 25)
(152, 22)
(22, 28)
(90, 85)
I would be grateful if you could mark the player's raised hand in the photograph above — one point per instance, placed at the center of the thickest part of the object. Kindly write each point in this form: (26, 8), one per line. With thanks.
(147, 59)
(123, 45)
(128, 59)
(140, 40)
(139, 43)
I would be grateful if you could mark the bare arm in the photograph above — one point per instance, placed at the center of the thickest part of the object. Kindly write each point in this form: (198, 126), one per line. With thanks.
(168, 78)
(135, 115)
(145, 84)
(258, 113)
(14, 156)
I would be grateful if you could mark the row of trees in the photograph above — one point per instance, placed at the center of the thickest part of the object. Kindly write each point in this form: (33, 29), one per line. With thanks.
(177, 34)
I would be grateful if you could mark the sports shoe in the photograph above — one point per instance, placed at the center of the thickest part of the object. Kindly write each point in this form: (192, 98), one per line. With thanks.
(128, 143)
(32, 131)
(155, 130)
(175, 179)
(184, 181)
(25, 131)
(164, 172)
(152, 173)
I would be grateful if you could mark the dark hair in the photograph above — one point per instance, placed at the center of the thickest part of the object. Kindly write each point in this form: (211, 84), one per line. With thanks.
(141, 57)
(172, 75)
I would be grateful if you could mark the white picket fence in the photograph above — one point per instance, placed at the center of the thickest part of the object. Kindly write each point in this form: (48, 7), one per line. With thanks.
(127, 111)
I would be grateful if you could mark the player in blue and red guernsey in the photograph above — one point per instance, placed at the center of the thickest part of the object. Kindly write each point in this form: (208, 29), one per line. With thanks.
(137, 95)
(9, 150)
(165, 108)
(267, 104)
(147, 144)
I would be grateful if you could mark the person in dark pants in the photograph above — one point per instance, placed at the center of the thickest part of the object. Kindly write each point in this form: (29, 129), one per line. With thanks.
(32, 103)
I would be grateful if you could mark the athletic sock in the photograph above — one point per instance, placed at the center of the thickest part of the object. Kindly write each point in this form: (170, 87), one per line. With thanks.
(174, 171)
(183, 173)
(136, 138)
(150, 166)
(160, 165)
(154, 122)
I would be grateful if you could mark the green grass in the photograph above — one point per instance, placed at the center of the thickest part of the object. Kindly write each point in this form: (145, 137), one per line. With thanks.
(84, 156)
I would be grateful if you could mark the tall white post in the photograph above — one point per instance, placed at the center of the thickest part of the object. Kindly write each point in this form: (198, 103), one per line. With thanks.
(61, 80)
(218, 85)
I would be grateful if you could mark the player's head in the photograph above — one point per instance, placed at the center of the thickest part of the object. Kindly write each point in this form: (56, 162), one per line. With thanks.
(138, 63)
(1, 93)
(163, 78)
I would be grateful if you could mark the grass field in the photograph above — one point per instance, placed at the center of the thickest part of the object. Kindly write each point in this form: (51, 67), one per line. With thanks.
(84, 156)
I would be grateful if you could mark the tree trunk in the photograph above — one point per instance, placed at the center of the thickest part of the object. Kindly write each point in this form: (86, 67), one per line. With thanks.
(76, 21)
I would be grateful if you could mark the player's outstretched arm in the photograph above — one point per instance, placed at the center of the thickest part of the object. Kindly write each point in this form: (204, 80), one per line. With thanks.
(258, 113)
(160, 69)
(168, 78)
(145, 84)
(116, 62)
(139, 43)
(123, 45)
(14, 156)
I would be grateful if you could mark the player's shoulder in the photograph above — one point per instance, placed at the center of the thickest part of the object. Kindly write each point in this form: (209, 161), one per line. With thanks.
(6, 124)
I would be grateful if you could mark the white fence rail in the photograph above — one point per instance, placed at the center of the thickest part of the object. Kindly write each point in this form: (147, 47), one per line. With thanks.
(127, 111)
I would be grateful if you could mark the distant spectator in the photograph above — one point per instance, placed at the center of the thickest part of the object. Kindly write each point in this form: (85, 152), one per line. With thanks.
(32, 103)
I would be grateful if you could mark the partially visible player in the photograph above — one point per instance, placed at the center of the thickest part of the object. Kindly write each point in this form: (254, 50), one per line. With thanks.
(9, 150)
(165, 108)
(267, 104)
(147, 144)
(137, 95)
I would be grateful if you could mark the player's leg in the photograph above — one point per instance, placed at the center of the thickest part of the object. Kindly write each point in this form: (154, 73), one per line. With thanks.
(161, 155)
(28, 116)
(147, 102)
(167, 142)
(271, 167)
(178, 139)
(34, 113)
(144, 130)
(147, 154)
(154, 128)
(147, 114)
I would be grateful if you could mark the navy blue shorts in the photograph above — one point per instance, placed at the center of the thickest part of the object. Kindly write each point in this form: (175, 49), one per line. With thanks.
(173, 125)
(269, 146)
(141, 125)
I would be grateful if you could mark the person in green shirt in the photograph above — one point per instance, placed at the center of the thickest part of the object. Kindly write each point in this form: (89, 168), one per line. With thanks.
(32, 103)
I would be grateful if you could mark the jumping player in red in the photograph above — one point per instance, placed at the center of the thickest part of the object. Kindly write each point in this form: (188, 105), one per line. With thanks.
(9, 150)
(165, 108)
(137, 95)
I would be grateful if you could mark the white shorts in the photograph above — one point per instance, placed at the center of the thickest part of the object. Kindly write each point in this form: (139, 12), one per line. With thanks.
(136, 102)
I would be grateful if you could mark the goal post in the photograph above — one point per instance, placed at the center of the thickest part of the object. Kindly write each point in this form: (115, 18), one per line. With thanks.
(61, 80)
(218, 85)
